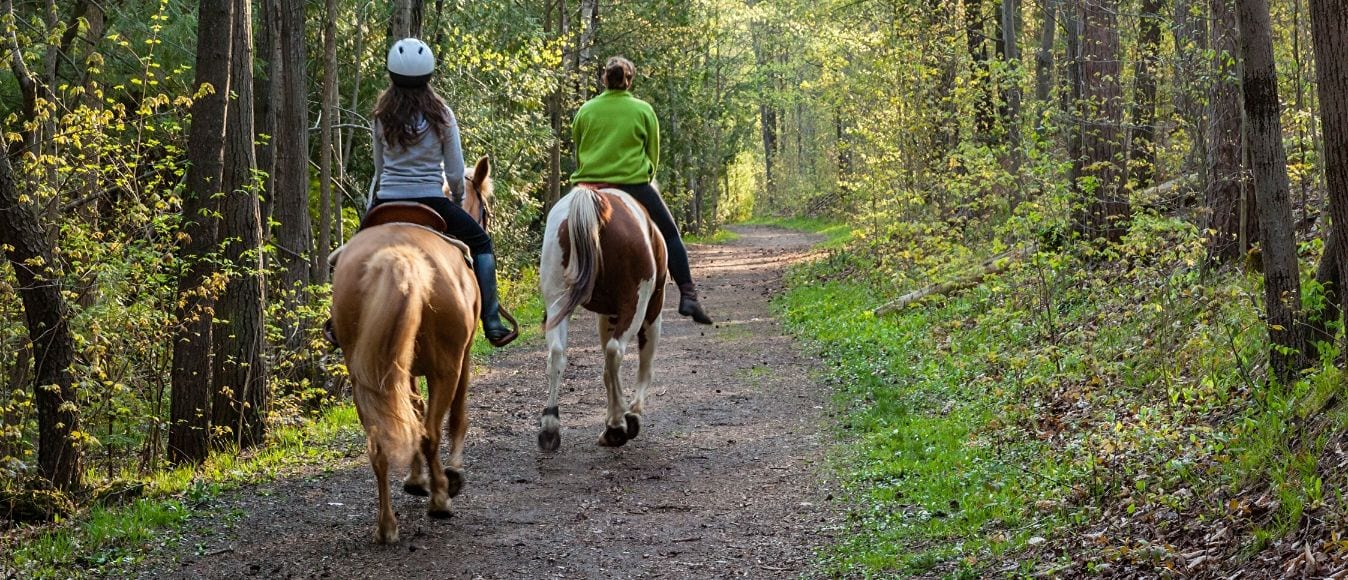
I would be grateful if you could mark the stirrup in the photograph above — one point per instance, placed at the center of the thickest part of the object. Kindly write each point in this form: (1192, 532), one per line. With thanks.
(509, 337)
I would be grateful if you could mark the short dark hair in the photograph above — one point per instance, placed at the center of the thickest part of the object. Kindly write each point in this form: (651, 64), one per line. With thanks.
(618, 73)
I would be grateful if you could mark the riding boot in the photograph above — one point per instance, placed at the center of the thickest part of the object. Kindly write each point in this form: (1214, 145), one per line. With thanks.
(689, 306)
(484, 267)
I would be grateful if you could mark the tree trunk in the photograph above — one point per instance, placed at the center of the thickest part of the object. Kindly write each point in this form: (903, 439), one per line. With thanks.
(266, 95)
(190, 404)
(406, 20)
(59, 455)
(1142, 157)
(977, 41)
(1225, 170)
(1011, 53)
(240, 388)
(294, 238)
(589, 20)
(555, 26)
(1329, 34)
(1268, 163)
(1191, 39)
(1043, 60)
(325, 212)
(1101, 108)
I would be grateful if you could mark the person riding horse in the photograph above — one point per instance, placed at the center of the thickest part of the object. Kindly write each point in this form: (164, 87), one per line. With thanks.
(417, 153)
(617, 141)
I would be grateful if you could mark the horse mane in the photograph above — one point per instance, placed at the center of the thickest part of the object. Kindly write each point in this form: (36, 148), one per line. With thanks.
(586, 216)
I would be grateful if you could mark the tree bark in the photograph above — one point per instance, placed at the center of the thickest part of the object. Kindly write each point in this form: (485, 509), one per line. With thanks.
(976, 40)
(190, 395)
(1268, 163)
(1106, 211)
(325, 213)
(1191, 38)
(59, 455)
(240, 388)
(1010, 10)
(1225, 170)
(1329, 34)
(266, 95)
(294, 238)
(406, 20)
(1142, 157)
(1043, 60)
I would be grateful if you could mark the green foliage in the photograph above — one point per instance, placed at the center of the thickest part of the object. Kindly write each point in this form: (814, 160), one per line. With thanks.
(106, 537)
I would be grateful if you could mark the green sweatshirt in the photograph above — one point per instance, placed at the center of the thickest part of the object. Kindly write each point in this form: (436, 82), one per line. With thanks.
(617, 140)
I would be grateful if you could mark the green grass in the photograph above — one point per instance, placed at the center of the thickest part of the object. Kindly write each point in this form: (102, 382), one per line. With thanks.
(1044, 398)
(720, 236)
(114, 535)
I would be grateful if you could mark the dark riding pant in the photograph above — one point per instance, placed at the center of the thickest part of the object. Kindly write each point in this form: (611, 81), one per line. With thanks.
(457, 222)
(649, 198)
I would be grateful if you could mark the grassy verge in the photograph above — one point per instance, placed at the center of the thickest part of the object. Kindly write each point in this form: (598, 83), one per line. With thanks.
(105, 535)
(836, 234)
(720, 236)
(1068, 417)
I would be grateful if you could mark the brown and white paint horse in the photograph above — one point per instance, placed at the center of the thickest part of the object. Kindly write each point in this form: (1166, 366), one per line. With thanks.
(602, 251)
(405, 304)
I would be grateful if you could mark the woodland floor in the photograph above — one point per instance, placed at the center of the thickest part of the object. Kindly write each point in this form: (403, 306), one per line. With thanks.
(726, 479)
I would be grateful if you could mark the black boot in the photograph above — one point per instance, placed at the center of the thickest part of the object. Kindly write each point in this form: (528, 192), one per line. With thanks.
(689, 306)
(484, 267)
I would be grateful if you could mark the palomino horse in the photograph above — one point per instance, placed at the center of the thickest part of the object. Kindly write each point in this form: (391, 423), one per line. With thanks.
(405, 304)
(602, 251)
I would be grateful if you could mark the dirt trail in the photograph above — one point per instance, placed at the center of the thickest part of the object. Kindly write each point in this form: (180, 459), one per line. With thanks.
(726, 478)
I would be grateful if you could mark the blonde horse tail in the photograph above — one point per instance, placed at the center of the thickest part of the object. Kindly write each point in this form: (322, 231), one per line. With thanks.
(398, 283)
(585, 218)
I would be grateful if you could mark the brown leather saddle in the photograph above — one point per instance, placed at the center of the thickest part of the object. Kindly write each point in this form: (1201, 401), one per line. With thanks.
(407, 212)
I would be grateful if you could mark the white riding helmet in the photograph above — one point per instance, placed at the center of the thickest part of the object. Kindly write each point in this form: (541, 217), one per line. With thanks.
(410, 63)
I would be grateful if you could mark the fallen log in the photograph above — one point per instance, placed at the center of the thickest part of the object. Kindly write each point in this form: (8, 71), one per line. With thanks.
(990, 267)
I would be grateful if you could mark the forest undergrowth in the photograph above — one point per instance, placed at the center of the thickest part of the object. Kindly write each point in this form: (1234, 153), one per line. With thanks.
(1084, 412)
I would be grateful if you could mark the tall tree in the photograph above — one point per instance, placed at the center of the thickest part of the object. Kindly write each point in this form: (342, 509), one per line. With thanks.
(1232, 224)
(1043, 59)
(1009, 13)
(1142, 157)
(325, 148)
(1106, 211)
(59, 455)
(240, 388)
(1329, 34)
(1191, 38)
(293, 239)
(190, 404)
(406, 20)
(1268, 163)
(976, 39)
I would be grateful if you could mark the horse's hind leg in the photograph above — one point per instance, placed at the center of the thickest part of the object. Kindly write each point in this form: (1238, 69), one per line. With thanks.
(443, 388)
(458, 427)
(647, 338)
(615, 427)
(416, 483)
(550, 424)
(387, 530)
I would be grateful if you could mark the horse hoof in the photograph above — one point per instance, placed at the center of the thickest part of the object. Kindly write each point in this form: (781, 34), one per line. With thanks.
(386, 536)
(613, 437)
(439, 514)
(549, 440)
(416, 489)
(633, 425)
(455, 478)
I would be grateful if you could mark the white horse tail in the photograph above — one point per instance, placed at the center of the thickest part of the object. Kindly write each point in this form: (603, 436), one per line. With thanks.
(586, 216)
(381, 363)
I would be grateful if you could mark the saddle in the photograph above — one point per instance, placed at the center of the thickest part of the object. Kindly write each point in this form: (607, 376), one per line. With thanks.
(406, 212)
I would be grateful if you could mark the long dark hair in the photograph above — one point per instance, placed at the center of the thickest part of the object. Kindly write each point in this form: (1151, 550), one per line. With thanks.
(397, 110)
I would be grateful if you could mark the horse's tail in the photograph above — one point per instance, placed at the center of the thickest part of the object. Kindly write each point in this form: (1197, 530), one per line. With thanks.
(586, 216)
(398, 283)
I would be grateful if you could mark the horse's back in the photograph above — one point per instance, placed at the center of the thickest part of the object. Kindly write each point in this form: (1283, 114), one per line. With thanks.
(631, 249)
(451, 307)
